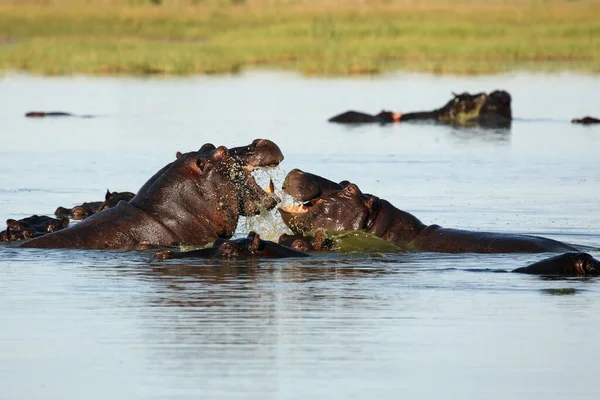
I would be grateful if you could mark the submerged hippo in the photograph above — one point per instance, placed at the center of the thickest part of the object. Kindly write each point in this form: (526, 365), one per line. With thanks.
(337, 207)
(193, 200)
(86, 209)
(481, 109)
(42, 114)
(30, 227)
(568, 264)
(316, 242)
(250, 247)
(586, 121)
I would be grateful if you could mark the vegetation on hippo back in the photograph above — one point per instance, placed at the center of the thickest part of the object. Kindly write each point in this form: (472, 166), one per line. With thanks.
(360, 242)
(325, 38)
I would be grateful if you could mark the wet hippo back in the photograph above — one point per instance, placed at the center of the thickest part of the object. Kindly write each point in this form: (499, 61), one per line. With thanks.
(123, 226)
(445, 240)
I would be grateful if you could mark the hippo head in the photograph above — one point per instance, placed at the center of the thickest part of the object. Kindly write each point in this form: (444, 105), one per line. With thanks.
(249, 247)
(497, 104)
(111, 199)
(479, 107)
(207, 190)
(260, 153)
(326, 205)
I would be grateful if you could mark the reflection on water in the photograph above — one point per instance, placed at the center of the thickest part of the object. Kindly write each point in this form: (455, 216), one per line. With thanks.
(94, 324)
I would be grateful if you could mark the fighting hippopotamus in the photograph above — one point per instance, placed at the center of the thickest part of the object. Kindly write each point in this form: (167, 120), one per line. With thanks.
(342, 206)
(42, 114)
(585, 121)
(193, 200)
(86, 209)
(480, 109)
(30, 227)
(250, 247)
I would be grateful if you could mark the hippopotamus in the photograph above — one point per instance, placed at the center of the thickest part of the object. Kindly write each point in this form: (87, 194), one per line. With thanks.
(480, 109)
(86, 209)
(342, 206)
(31, 227)
(193, 200)
(567, 264)
(318, 242)
(250, 247)
(585, 120)
(42, 114)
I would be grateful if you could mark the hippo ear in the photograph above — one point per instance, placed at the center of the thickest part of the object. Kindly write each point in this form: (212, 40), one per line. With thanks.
(251, 234)
(107, 195)
(221, 153)
(178, 154)
(256, 242)
(207, 147)
(351, 190)
(373, 203)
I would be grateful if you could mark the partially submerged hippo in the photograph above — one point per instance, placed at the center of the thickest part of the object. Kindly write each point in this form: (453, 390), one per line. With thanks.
(193, 200)
(480, 109)
(316, 242)
(336, 207)
(30, 227)
(86, 209)
(250, 247)
(42, 114)
(586, 121)
(567, 264)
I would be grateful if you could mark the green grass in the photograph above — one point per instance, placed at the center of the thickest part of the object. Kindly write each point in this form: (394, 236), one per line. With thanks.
(323, 38)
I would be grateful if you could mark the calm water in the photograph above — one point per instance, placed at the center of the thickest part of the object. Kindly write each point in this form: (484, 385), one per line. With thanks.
(120, 325)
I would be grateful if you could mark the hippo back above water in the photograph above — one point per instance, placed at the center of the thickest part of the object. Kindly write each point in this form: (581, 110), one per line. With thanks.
(336, 207)
(193, 200)
(491, 110)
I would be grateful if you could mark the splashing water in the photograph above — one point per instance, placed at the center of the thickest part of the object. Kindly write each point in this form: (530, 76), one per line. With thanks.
(267, 224)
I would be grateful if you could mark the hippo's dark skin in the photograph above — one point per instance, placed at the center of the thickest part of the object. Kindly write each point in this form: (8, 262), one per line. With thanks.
(480, 109)
(344, 207)
(193, 200)
(568, 264)
(239, 249)
(585, 121)
(318, 242)
(42, 114)
(84, 210)
(30, 227)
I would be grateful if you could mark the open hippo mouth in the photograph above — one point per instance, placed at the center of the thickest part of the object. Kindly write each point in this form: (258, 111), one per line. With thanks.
(321, 204)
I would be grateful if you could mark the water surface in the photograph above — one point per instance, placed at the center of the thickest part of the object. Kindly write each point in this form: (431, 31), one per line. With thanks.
(121, 325)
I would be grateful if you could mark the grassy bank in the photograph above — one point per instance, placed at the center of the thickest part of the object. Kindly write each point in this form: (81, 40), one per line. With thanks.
(313, 37)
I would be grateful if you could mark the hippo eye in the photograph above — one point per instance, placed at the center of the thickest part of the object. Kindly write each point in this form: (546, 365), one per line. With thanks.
(350, 190)
(200, 163)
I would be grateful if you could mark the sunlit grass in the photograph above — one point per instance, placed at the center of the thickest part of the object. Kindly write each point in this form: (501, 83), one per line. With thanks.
(324, 38)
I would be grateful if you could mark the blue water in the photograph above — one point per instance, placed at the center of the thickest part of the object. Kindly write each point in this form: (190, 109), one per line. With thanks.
(121, 325)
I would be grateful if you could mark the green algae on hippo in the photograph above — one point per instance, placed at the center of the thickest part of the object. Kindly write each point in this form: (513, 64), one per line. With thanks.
(239, 249)
(193, 200)
(481, 109)
(342, 207)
